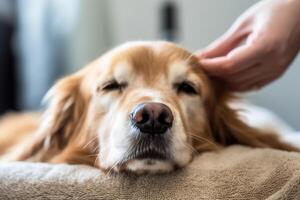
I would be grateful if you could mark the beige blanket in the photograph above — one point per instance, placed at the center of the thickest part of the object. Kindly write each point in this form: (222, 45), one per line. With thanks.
(233, 173)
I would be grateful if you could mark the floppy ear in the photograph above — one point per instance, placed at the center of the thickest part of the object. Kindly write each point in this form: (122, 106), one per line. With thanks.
(63, 118)
(227, 128)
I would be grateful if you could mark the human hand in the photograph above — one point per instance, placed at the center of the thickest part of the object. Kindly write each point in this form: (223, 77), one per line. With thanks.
(259, 46)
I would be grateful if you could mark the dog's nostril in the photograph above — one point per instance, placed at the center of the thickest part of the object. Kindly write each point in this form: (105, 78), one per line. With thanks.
(139, 115)
(145, 117)
(161, 118)
(165, 119)
(152, 118)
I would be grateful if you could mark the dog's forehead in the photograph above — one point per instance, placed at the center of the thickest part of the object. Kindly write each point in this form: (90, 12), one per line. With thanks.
(146, 59)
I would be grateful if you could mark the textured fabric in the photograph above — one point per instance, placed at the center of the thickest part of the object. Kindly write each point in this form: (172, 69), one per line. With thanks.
(233, 173)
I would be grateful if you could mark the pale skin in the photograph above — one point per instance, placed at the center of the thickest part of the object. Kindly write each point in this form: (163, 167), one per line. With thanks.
(259, 46)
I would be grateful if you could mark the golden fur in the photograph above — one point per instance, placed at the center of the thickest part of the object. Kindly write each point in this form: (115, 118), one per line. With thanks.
(68, 132)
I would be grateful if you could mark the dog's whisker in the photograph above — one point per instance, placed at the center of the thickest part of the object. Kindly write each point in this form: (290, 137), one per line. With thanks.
(97, 158)
(202, 139)
(92, 155)
(191, 148)
(88, 143)
(188, 58)
(113, 166)
(96, 149)
(110, 169)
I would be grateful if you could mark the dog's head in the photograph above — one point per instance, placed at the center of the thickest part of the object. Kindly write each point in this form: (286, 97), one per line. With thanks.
(151, 97)
(142, 107)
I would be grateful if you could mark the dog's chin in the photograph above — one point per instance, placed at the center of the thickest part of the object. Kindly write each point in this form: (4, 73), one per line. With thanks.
(149, 166)
(149, 162)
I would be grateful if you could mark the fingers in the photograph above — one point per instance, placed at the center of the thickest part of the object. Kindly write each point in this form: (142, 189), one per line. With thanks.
(221, 46)
(247, 75)
(231, 39)
(254, 85)
(251, 79)
(237, 60)
(247, 79)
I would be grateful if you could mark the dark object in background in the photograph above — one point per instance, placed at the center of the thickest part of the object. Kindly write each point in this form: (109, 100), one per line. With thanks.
(7, 69)
(169, 22)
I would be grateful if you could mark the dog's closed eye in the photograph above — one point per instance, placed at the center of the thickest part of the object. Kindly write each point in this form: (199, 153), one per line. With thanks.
(114, 85)
(186, 87)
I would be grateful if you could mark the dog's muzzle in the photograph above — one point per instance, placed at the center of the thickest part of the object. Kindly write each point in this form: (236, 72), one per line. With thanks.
(153, 122)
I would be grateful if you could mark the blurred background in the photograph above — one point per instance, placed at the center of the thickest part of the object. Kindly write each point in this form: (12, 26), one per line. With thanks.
(42, 40)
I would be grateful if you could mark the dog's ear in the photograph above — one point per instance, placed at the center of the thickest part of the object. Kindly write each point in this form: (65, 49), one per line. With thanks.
(65, 110)
(61, 121)
(227, 127)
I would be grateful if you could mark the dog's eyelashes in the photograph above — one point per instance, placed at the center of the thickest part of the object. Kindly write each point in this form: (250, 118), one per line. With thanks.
(114, 85)
(186, 87)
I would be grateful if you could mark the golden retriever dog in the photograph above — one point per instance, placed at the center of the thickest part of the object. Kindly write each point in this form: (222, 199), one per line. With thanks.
(143, 107)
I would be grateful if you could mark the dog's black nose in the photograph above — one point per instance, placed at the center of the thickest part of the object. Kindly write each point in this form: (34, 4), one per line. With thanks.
(152, 118)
